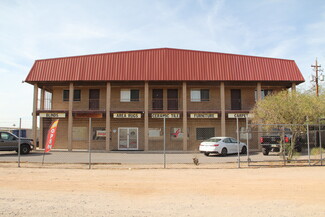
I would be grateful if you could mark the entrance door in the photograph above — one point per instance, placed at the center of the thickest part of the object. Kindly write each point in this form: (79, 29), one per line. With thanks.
(128, 138)
(94, 99)
(172, 99)
(235, 99)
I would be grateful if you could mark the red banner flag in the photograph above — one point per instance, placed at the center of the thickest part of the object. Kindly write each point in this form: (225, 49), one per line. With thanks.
(51, 135)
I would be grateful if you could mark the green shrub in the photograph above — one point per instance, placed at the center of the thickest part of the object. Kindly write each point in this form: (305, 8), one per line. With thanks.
(316, 151)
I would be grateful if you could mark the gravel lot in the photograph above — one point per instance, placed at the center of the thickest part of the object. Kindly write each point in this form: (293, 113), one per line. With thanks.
(295, 191)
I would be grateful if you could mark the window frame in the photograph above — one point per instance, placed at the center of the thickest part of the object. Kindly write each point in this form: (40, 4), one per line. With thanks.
(263, 95)
(137, 93)
(199, 95)
(66, 94)
(129, 94)
(202, 129)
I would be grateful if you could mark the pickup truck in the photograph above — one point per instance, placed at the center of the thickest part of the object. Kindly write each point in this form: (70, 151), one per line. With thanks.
(9, 142)
(273, 143)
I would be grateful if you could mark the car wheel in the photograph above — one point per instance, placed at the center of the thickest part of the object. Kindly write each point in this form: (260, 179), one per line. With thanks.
(265, 151)
(224, 152)
(206, 153)
(24, 149)
(244, 150)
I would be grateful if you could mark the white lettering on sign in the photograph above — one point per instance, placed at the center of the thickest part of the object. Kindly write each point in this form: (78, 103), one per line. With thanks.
(165, 115)
(127, 115)
(52, 115)
(240, 115)
(204, 115)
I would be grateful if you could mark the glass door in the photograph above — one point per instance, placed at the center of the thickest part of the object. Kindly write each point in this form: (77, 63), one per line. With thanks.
(123, 138)
(133, 138)
(128, 138)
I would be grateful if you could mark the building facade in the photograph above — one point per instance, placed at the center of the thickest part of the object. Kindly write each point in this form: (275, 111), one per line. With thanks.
(128, 95)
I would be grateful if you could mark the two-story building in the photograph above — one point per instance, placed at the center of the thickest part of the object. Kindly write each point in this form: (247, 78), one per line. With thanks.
(128, 94)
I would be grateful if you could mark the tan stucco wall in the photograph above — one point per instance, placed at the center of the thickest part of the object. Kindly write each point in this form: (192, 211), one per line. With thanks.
(247, 95)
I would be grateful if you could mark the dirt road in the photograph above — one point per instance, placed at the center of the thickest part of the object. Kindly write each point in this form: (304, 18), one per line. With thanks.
(298, 191)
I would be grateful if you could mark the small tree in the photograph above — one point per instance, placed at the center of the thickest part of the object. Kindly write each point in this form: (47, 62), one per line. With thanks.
(290, 108)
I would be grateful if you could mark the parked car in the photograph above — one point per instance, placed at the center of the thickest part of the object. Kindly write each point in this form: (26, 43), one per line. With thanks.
(9, 142)
(222, 146)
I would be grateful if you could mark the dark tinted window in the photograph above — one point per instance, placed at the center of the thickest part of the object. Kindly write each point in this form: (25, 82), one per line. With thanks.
(204, 133)
(65, 95)
(205, 95)
(235, 99)
(6, 136)
(157, 99)
(76, 95)
(135, 95)
(172, 99)
(233, 140)
(268, 92)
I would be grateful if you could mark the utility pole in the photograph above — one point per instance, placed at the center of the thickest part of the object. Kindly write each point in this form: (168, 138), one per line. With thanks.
(316, 78)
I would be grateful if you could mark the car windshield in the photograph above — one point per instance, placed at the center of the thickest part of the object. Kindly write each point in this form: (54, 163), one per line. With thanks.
(212, 140)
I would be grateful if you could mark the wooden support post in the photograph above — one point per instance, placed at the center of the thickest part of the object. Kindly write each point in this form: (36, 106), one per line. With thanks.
(108, 115)
(146, 116)
(259, 91)
(259, 97)
(184, 92)
(70, 117)
(223, 108)
(41, 126)
(35, 102)
(293, 87)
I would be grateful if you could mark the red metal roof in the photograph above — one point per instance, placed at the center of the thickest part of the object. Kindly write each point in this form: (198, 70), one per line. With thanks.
(164, 64)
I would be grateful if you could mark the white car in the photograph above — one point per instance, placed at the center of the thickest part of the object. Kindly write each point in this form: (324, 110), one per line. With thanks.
(222, 145)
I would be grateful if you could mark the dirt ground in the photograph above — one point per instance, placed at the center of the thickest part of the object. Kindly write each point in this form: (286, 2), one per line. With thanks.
(295, 191)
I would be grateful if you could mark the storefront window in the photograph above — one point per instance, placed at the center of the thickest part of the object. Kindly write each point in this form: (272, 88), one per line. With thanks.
(155, 133)
(204, 133)
(99, 133)
(79, 133)
(177, 133)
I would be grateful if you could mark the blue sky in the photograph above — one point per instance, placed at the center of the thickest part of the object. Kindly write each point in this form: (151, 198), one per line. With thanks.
(39, 29)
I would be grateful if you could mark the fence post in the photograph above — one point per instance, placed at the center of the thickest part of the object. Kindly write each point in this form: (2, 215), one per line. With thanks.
(238, 141)
(283, 145)
(247, 141)
(19, 141)
(164, 142)
(308, 145)
(89, 143)
(320, 142)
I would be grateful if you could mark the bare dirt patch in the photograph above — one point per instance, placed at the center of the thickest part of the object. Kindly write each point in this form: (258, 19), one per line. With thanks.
(297, 191)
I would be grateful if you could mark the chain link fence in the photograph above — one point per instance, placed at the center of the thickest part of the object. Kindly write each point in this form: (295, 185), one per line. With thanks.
(248, 145)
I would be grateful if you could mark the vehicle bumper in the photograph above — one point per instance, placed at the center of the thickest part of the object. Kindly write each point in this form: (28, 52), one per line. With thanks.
(208, 149)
